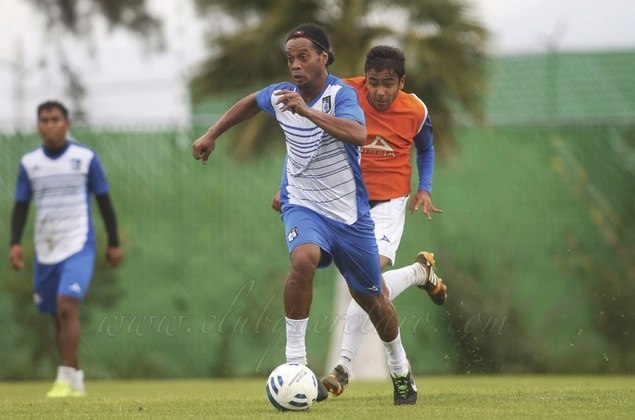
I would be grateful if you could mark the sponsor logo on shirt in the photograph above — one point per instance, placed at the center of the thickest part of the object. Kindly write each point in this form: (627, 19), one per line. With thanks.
(379, 147)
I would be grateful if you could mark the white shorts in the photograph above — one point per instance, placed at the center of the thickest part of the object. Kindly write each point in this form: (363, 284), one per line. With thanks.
(389, 218)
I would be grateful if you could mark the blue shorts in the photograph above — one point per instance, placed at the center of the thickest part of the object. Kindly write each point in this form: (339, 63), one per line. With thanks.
(70, 277)
(353, 248)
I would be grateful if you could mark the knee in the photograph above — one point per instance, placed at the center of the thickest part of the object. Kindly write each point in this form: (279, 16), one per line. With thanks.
(67, 308)
(304, 262)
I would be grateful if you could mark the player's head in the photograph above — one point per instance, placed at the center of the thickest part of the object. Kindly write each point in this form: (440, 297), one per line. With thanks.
(385, 72)
(318, 37)
(308, 53)
(53, 124)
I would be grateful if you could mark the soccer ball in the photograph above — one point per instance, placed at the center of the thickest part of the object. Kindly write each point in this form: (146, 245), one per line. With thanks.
(291, 386)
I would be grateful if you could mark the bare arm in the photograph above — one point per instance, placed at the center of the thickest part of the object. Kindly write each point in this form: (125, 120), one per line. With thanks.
(348, 131)
(239, 112)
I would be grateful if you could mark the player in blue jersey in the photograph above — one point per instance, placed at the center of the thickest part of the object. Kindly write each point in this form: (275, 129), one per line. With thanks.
(59, 177)
(395, 121)
(325, 211)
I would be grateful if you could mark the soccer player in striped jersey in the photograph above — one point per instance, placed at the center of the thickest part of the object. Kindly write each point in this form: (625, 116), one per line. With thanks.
(59, 177)
(396, 121)
(325, 206)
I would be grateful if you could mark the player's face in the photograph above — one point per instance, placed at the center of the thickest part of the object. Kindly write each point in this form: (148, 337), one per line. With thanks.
(306, 65)
(383, 88)
(53, 128)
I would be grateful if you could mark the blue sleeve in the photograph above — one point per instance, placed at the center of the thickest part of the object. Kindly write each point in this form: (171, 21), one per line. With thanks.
(263, 96)
(23, 190)
(97, 183)
(425, 155)
(347, 105)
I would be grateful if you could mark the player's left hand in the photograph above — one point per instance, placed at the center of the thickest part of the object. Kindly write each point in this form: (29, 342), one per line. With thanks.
(114, 255)
(423, 200)
(275, 202)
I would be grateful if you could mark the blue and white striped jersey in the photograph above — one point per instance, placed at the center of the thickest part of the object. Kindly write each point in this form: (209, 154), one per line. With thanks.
(60, 185)
(321, 173)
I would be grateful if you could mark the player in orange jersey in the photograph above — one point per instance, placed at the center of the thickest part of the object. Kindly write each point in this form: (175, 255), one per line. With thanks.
(395, 122)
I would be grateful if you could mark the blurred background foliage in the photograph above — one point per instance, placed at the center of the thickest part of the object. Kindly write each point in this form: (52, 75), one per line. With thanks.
(442, 41)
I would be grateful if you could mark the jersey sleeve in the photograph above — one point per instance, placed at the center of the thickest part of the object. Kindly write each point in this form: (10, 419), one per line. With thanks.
(347, 105)
(23, 190)
(97, 183)
(263, 97)
(425, 155)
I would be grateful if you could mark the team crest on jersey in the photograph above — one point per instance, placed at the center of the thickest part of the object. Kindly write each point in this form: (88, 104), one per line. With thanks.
(292, 234)
(76, 164)
(326, 104)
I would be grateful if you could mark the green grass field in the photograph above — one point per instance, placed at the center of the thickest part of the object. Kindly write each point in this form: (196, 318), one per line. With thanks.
(447, 397)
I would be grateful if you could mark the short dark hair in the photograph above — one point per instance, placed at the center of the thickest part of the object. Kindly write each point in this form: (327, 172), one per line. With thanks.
(317, 35)
(383, 57)
(49, 105)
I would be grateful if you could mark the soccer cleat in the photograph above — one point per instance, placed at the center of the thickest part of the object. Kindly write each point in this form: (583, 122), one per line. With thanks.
(434, 286)
(62, 389)
(322, 392)
(405, 389)
(336, 381)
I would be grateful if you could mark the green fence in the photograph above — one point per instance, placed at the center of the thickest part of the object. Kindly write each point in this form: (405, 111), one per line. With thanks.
(536, 243)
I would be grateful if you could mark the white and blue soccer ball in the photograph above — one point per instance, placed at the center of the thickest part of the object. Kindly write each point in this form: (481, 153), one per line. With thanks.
(292, 386)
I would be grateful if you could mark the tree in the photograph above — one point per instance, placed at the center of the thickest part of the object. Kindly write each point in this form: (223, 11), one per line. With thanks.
(442, 43)
(77, 18)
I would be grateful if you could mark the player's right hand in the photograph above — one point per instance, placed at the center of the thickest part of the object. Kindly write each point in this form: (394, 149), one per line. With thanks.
(16, 257)
(275, 203)
(203, 147)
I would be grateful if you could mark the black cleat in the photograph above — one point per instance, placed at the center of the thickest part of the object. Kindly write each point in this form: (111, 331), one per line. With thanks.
(322, 392)
(405, 389)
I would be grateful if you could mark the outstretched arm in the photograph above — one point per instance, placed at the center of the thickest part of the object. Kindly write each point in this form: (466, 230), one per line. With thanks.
(242, 110)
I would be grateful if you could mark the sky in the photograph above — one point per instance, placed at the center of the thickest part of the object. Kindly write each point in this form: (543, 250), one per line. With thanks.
(128, 85)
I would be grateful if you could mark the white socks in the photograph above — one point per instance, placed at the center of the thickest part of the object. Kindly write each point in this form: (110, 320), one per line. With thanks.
(79, 381)
(357, 324)
(397, 362)
(296, 348)
(400, 279)
(357, 321)
(71, 376)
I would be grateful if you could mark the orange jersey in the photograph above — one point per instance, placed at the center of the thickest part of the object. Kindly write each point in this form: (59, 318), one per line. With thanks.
(386, 167)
